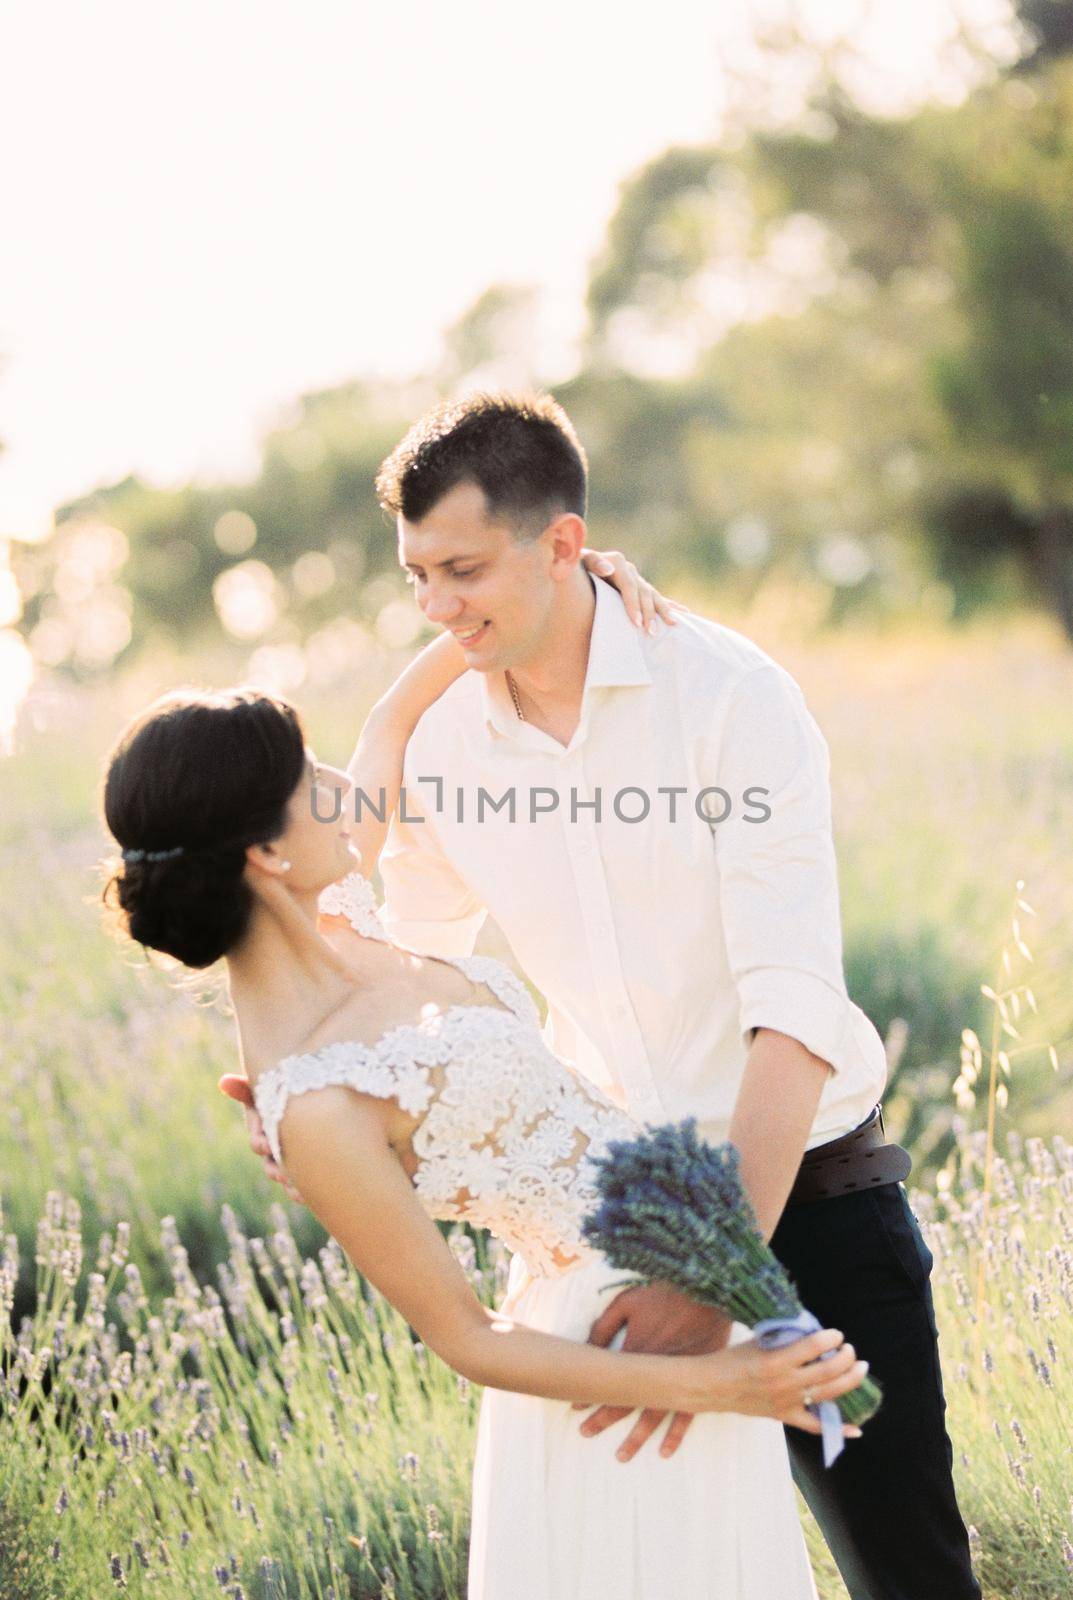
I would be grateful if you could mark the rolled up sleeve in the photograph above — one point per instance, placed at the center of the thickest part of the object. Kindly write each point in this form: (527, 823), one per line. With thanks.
(777, 874)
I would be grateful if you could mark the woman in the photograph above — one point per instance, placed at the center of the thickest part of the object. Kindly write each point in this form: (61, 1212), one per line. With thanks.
(398, 1089)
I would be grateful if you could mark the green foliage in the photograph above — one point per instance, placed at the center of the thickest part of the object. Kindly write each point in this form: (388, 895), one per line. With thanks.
(838, 352)
(289, 1435)
(495, 339)
(641, 436)
(1009, 386)
(1049, 24)
(286, 1439)
(662, 234)
(966, 213)
(312, 496)
(869, 178)
(108, 1080)
(1006, 385)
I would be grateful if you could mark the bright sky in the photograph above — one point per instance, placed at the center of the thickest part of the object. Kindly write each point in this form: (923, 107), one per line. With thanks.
(209, 208)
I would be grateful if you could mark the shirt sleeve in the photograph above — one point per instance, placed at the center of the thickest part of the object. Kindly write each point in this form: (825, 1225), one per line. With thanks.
(777, 872)
(427, 906)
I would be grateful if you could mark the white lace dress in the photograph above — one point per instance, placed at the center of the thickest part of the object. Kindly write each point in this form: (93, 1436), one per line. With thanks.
(504, 1142)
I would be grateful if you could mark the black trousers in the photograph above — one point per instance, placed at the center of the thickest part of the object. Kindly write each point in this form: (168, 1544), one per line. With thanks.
(886, 1507)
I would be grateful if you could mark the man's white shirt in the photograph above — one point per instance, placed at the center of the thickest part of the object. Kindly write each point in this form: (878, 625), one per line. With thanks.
(659, 939)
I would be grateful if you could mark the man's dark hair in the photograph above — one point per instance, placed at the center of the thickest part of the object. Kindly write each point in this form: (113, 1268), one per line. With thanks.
(521, 450)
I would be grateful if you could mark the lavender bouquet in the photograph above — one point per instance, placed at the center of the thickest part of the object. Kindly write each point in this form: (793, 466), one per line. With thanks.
(672, 1209)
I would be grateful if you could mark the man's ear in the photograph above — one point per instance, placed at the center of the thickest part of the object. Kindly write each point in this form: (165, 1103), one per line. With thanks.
(565, 536)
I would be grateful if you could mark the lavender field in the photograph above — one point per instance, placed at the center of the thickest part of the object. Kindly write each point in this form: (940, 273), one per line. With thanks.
(197, 1393)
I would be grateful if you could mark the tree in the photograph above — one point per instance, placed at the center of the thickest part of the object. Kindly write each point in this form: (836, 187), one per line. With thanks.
(312, 497)
(1007, 384)
(977, 199)
(495, 342)
(665, 231)
(802, 405)
(1049, 26)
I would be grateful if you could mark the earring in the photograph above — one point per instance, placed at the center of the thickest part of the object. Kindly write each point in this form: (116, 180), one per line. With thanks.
(285, 866)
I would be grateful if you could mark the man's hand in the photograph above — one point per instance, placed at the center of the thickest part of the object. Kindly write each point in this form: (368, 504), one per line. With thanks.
(660, 1321)
(238, 1088)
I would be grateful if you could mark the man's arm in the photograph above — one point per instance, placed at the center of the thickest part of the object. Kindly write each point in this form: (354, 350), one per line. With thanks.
(773, 1117)
(779, 910)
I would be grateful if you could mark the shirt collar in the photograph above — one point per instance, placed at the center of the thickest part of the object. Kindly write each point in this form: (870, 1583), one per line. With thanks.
(616, 660)
(616, 657)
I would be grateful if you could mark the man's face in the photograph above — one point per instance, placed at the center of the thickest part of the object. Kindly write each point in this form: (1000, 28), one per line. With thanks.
(478, 579)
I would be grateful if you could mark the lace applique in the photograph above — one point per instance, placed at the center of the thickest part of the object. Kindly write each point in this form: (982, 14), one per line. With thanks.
(353, 897)
(506, 985)
(380, 1070)
(506, 1132)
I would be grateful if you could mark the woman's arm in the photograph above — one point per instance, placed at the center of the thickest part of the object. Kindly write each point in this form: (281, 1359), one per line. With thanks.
(336, 1149)
(376, 765)
(375, 768)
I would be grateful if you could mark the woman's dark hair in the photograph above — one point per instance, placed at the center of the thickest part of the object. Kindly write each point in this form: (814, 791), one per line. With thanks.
(192, 781)
(521, 450)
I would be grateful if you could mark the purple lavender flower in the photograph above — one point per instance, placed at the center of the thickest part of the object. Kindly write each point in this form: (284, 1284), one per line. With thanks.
(673, 1210)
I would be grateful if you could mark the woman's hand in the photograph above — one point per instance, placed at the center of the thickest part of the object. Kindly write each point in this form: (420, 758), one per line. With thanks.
(643, 602)
(773, 1383)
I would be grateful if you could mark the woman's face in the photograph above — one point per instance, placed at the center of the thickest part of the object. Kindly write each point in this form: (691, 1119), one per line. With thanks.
(317, 840)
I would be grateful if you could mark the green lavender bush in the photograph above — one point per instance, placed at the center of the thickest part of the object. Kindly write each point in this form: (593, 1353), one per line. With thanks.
(283, 1433)
(951, 765)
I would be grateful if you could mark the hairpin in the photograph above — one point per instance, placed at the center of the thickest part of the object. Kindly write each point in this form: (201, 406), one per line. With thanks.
(152, 855)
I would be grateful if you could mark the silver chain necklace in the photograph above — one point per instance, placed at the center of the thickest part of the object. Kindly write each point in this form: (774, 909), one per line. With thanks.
(513, 687)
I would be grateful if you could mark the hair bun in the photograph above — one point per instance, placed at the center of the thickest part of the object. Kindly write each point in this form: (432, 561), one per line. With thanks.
(217, 771)
(194, 909)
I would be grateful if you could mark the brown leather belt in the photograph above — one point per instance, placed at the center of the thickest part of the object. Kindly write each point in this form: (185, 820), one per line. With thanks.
(858, 1160)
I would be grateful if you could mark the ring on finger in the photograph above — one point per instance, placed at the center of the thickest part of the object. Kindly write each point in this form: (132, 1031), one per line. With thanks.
(807, 1399)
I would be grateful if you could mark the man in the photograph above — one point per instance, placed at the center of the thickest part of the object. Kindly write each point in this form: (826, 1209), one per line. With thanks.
(647, 817)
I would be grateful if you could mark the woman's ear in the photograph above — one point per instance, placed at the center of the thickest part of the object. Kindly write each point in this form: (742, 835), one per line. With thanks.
(266, 858)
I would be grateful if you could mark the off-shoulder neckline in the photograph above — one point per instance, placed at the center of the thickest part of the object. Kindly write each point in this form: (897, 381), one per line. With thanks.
(399, 1028)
